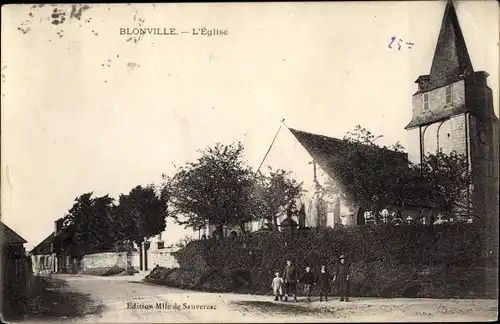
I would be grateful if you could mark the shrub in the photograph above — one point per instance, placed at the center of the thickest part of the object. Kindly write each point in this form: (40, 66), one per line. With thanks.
(406, 261)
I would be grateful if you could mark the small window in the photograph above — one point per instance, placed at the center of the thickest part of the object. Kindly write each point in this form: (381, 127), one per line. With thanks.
(448, 94)
(426, 101)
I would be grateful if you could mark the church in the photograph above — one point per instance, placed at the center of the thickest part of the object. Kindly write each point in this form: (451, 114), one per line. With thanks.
(452, 110)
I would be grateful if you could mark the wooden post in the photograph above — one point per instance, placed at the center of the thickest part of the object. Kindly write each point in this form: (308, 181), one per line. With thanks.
(140, 257)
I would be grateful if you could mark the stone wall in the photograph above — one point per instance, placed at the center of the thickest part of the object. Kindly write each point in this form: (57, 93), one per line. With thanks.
(109, 259)
(162, 258)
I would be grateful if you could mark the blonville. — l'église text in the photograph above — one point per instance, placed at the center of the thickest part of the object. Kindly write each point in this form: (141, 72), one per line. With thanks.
(174, 31)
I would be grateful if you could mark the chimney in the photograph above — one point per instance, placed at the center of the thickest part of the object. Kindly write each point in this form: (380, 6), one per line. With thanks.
(480, 77)
(58, 224)
(423, 82)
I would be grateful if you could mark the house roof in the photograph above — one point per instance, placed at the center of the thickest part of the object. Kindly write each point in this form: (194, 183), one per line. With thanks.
(8, 235)
(44, 247)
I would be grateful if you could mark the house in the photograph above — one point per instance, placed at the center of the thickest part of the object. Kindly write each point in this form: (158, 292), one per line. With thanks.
(47, 258)
(15, 272)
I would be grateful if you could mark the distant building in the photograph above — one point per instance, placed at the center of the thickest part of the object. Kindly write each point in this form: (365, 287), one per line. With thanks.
(46, 258)
(15, 272)
(453, 111)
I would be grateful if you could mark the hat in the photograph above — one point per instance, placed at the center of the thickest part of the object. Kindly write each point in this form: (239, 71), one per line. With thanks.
(342, 257)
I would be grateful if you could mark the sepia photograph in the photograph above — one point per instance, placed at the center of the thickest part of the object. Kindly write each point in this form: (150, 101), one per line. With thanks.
(250, 162)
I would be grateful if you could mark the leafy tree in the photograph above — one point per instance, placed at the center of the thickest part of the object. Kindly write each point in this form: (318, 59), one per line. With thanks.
(443, 179)
(140, 214)
(378, 177)
(87, 225)
(277, 194)
(369, 174)
(216, 189)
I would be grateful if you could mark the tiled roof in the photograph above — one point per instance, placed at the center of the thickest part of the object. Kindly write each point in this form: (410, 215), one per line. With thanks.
(8, 235)
(325, 149)
(436, 116)
(44, 247)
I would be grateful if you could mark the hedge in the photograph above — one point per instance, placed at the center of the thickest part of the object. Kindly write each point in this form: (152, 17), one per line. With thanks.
(445, 261)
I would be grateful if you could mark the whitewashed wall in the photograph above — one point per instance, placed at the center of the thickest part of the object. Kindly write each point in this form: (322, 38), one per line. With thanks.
(109, 259)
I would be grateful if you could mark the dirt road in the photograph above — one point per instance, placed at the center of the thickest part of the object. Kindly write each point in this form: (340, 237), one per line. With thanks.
(126, 299)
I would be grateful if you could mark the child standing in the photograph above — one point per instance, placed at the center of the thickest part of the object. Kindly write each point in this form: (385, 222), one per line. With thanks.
(277, 286)
(308, 279)
(324, 283)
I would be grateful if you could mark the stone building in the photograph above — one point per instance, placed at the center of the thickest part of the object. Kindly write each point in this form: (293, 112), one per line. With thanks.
(453, 111)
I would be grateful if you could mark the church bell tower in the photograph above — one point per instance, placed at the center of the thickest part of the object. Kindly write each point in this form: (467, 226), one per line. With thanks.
(453, 111)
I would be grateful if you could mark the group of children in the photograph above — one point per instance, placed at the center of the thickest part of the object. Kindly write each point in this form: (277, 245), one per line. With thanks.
(287, 284)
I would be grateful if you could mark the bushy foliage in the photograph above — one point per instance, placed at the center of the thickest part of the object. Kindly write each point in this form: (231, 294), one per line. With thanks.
(276, 194)
(219, 188)
(377, 177)
(392, 261)
(213, 189)
(87, 226)
(97, 224)
(140, 214)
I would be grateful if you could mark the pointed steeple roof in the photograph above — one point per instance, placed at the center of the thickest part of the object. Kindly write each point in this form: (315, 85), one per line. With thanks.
(451, 58)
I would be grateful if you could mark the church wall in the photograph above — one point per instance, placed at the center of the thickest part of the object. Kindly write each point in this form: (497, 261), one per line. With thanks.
(448, 135)
(437, 100)
(484, 161)
(288, 154)
(445, 136)
(430, 144)
(458, 141)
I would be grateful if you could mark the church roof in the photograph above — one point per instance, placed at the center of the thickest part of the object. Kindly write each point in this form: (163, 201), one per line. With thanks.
(8, 235)
(451, 58)
(325, 149)
(436, 115)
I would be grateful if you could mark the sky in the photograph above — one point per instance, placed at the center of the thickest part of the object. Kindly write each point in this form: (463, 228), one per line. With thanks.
(87, 109)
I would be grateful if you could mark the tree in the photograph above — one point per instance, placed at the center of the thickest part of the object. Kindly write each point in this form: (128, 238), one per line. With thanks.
(371, 175)
(140, 214)
(89, 225)
(377, 177)
(217, 189)
(277, 194)
(445, 180)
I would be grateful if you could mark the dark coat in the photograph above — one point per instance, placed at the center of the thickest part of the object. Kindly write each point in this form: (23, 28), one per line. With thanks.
(324, 280)
(343, 270)
(308, 278)
(290, 274)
